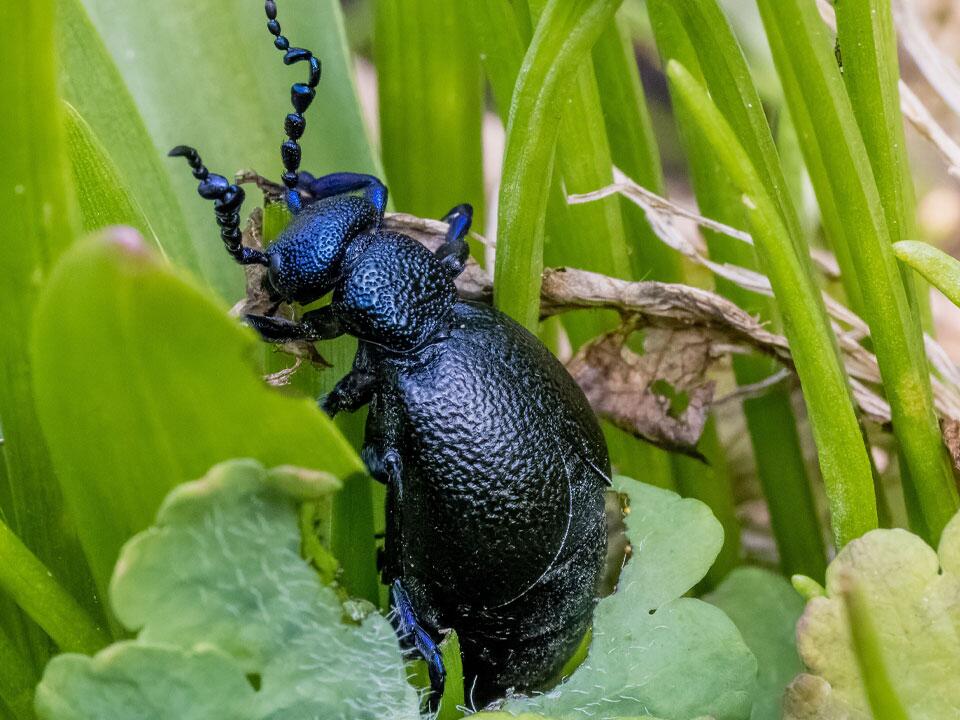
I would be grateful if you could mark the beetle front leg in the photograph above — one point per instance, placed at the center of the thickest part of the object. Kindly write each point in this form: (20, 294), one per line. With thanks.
(321, 324)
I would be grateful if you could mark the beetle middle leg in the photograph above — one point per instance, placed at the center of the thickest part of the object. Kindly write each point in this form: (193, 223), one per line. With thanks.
(355, 389)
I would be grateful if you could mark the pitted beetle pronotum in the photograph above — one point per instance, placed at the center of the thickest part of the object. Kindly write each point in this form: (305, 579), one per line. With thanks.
(494, 463)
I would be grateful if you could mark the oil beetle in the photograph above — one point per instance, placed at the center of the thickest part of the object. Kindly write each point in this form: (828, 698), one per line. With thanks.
(494, 464)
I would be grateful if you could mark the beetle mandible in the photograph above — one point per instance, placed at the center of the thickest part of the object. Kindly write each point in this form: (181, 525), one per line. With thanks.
(494, 464)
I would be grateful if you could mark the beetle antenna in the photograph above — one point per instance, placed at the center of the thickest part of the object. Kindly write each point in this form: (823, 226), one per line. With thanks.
(227, 199)
(301, 95)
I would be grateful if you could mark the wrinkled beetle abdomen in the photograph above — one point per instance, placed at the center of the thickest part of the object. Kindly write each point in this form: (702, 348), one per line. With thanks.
(500, 528)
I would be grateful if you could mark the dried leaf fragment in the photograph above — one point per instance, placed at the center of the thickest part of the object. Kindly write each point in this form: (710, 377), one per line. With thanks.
(638, 392)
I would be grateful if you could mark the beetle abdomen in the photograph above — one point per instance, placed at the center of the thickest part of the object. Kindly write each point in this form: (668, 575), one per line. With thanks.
(502, 512)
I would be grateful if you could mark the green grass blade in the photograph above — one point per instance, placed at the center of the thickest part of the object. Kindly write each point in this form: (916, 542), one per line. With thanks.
(231, 101)
(562, 40)
(16, 681)
(940, 270)
(101, 193)
(191, 395)
(799, 42)
(431, 107)
(883, 699)
(868, 46)
(32, 586)
(105, 117)
(502, 39)
(770, 419)
(633, 149)
(871, 73)
(728, 78)
(842, 454)
(37, 222)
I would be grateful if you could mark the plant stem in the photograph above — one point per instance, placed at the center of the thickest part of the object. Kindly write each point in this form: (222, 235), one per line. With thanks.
(32, 586)
(843, 458)
(884, 703)
(800, 46)
(871, 73)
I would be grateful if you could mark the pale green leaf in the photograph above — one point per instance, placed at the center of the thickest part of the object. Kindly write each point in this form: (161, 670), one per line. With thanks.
(912, 596)
(654, 652)
(765, 609)
(219, 593)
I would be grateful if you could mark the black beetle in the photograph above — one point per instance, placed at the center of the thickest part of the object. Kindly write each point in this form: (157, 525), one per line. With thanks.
(494, 463)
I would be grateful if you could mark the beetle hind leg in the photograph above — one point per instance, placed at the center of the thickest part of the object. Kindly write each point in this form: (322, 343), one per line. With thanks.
(412, 634)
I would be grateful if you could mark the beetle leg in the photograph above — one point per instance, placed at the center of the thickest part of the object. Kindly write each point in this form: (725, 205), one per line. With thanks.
(353, 391)
(343, 182)
(454, 251)
(320, 324)
(412, 633)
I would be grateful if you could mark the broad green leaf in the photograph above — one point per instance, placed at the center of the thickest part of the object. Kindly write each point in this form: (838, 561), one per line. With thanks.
(653, 651)
(219, 593)
(911, 595)
(940, 269)
(207, 74)
(37, 222)
(143, 381)
(765, 609)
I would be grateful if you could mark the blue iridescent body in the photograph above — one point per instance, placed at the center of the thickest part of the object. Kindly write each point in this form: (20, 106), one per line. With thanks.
(494, 464)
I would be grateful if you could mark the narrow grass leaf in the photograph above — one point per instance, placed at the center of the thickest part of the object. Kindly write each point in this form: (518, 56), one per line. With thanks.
(32, 586)
(101, 193)
(563, 38)
(800, 46)
(102, 114)
(431, 107)
(37, 222)
(770, 419)
(16, 681)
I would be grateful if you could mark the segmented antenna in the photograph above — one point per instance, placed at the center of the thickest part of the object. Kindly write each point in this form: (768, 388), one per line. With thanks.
(227, 198)
(301, 95)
